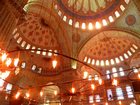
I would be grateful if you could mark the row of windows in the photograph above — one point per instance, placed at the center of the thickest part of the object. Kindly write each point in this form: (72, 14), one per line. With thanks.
(114, 61)
(33, 68)
(118, 72)
(97, 24)
(97, 98)
(37, 69)
(115, 72)
(119, 95)
(27, 46)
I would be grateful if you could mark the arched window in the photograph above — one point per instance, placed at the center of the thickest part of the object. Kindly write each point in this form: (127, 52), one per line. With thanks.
(91, 99)
(50, 53)
(38, 51)
(83, 25)
(70, 22)
(85, 59)
(114, 71)
(121, 71)
(108, 74)
(102, 63)
(112, 62)
(109, 94)
(34, 67)
(111, 19)
(97, 98)
(129, 92)
(97, 63)
(89, 60)
(28, 46)
(9, 88)
(119, 93)
(23, 65)
(77, 25)
(104, 22)
(90, 26)
(93, 62)
(117, 14)
(19, 40)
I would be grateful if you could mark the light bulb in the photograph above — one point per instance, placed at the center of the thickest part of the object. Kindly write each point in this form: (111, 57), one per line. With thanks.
(85, 75)
(8, 62)
(41, 93)
(92, 86)
(54, 63)
(55, 93)
(106, 103)
(120, 102)
(139, 76)
(73, 90)
(27, 95)
(114, 82)
(100, 81)
(5, 74)
(4, 56)
(17, 95)
(16, 62)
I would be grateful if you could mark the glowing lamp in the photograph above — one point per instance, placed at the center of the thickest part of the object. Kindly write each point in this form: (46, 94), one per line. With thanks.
(54, 63)
(5, 74)
(16, 62)
(114, 82)
(41, 93)
(27, 95)
(55, 93)
(73, 90)
(106, 103)
(139, 76)
(120, 102)
(92, 86)
(8, 62)
(100, 81)
(85, 75)
(4, 56)
(17, 95)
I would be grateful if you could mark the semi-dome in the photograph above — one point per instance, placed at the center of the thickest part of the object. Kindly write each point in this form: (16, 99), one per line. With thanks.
(108, 48)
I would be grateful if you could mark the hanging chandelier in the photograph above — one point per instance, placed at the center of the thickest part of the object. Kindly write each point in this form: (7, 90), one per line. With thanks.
(7, 64)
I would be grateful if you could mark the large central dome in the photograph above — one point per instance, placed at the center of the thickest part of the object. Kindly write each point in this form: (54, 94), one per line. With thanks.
(86, 7)
(90, 13)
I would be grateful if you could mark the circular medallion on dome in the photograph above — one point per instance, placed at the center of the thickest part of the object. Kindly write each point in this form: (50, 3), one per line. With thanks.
(102, 11)
(130, 20)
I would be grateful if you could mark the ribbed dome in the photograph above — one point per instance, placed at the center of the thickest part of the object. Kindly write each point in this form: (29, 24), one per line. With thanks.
(90, 13)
